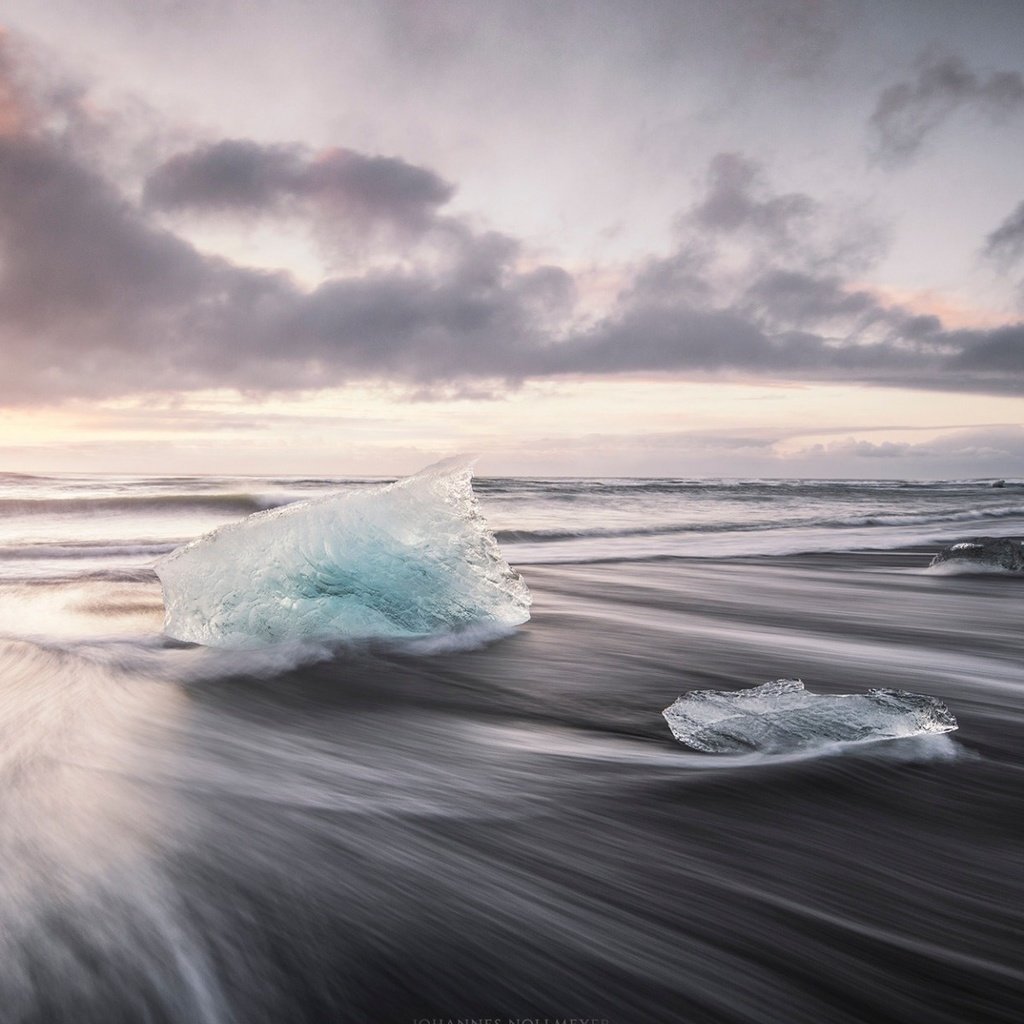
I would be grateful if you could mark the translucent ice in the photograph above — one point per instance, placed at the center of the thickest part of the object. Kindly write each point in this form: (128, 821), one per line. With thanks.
(991, 553)
(409, 559)
(782, 716)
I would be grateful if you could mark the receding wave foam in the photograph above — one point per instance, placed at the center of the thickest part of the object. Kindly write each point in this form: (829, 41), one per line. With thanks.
(576, 745)
(156, 657)
(733, 543)
(968, 568)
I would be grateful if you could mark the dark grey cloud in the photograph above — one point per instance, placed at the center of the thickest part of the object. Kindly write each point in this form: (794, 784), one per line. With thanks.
(800, 299)
(908, 112)
(774, 229)
(231, 174)
(96, 298)
(725, 344)
(245, 176)
(782, 300)
(789, 312)
(995, 351)
(1005, 245)
(736, 200)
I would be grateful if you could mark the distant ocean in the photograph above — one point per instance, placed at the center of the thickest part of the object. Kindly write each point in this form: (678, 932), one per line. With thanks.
(511, 832)
(75, 527)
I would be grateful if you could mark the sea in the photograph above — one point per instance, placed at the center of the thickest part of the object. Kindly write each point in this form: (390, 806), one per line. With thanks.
(506, 830)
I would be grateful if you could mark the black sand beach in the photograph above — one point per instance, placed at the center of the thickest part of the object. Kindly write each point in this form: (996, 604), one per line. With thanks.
(512, 832)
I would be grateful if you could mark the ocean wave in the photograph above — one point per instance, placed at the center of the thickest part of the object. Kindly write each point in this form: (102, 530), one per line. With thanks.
(244, 504)
(598, 533)
(924, 518)
(49, 576)
(570, 487)
(21, 477)
(84, 549)
(77, 528)
(553, 535)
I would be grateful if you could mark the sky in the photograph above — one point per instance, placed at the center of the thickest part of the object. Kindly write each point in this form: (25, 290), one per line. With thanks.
(691, 238)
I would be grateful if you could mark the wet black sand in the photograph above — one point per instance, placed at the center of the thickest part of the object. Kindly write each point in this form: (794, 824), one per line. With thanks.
(512, 832)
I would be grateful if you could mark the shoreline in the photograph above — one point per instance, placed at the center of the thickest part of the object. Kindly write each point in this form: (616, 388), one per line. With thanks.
(514, 827)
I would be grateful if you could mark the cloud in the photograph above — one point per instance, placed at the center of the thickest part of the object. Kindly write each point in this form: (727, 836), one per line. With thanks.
(240, 175)
(94, 300)
(780, 304)
(1000, 350)
(11, 104)
(98, 299)
(801, 299)
(726, 345)
(989, 450)
(736, 200)
(795, 37)
(1005, 245)
(742, 216)
(993, 446)
(908, 112)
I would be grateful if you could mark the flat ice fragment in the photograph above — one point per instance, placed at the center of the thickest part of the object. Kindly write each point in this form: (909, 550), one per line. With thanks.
(782, 716)
(409, 559)
(986, 552)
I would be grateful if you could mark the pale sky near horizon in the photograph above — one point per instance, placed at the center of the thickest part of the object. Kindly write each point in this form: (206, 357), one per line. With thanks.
(690, 238)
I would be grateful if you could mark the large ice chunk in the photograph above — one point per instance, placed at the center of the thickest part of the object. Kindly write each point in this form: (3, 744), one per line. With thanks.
(782, 716)
(984, 553)
(412, 558)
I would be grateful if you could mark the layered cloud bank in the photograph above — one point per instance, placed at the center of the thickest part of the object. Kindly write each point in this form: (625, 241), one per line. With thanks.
(104, 290)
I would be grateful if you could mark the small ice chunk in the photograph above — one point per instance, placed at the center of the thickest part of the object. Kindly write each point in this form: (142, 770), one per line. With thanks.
(782, 716)
(986, 552)
(410, 559)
